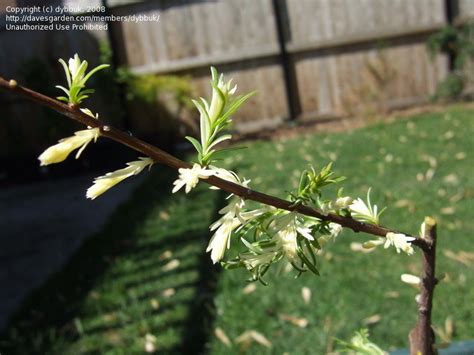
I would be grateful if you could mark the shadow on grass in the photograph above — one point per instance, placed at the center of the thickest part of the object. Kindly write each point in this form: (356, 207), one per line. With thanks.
(118, 289)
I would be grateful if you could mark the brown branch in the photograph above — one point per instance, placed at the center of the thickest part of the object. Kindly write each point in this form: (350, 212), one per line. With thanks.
(159, 156)
(422, 337)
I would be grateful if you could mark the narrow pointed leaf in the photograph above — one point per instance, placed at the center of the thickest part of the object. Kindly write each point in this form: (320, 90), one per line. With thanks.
(220, 140)
(93, 71)
(66, 70)
(195, 143)
(235, 105)
(63, 89)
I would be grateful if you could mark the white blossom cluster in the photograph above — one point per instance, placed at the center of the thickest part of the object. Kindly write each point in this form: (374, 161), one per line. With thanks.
(267, 235)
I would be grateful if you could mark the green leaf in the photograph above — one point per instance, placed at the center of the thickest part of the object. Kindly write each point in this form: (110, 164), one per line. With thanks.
(311, 252)
(303, 181)
(220, 140)
(315, 243)
(66, 70)
(205, 158)
(80, 73)
(203, 122)
(251, 247)
(222, 103)
(93, 71)
(218, 155)
(74, 92)
(205, 104)
(88, 91)
(235, 105)
(195, 143)
(297, 267)
(308, 263)
(214, 74)
(63, 89)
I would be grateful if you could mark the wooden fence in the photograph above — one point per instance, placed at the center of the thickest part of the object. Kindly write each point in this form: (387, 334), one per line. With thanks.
(308, 59)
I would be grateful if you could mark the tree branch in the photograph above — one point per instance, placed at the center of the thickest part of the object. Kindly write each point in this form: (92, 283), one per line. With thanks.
(159, 156)
(422, 337)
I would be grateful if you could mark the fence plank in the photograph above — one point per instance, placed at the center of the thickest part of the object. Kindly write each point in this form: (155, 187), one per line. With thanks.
(465, 10)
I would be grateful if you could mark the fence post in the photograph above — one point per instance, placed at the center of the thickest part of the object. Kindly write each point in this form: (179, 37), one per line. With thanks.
(451, 9)
(289, 76)
(115, 64)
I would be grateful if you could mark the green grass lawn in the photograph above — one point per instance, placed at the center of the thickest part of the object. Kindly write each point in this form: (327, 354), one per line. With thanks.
(147, 273)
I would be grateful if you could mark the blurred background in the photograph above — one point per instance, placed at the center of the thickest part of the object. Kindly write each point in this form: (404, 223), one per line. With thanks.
(135, 278)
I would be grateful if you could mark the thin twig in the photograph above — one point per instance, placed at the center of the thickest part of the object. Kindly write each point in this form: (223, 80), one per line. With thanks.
(159, 156)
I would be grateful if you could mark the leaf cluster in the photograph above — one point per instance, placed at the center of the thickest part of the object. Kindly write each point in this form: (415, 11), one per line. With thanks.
(215, 117)
(76, 80)
(264, 246)
(311, 184)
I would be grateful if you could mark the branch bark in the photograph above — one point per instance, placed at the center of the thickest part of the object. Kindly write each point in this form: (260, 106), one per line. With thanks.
(159, 156)
(422, 339)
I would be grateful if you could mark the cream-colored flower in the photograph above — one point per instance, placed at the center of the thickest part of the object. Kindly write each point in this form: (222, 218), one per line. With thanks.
(335, 206)
(220, 241)
(286, 232)
(232, 218)
(400, 242)
(228, 175)
(335, 229)
(109, 180)
(223, 228)
(286, 228)
(359, 206)
(343, 202)
(190, 177)
(59, 152)
(365, 212)
(286, 238)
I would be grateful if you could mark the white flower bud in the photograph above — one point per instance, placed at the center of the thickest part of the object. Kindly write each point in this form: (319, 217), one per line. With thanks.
(343, 202)
(109, 180)
(59, 152)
